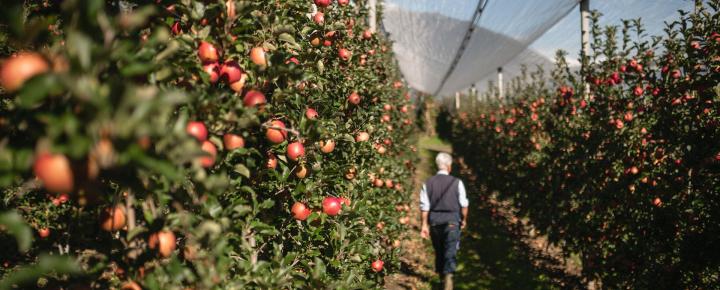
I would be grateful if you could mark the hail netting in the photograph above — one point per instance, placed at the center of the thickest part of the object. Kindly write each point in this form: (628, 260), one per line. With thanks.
(428, 33)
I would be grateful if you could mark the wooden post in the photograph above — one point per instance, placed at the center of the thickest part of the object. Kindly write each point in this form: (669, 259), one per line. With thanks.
(585, 38)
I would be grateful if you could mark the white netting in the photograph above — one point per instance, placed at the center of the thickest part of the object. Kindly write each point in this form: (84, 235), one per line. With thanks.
(428, 33)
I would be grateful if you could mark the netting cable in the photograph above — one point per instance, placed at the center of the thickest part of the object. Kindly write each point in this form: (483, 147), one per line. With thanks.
(466, 39)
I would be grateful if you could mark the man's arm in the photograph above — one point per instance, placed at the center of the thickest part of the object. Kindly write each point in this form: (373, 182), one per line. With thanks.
(424, 212)
(463, 203)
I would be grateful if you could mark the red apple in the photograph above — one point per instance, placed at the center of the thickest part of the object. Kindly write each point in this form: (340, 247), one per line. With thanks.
(344, 54)
(377, 265)
(20, 68)
(311, 114)
(176, 29)
(232, 141)
(367, 34)
(197, 130)
(163, 241)
(343, 2)
(207, 52)
(292, 60)
(208, 161)
(327, 146)
(300, 211)
(231, 72)
(319, 18)
(276, 136)
(657, 202)
(323, 3)
(271, 161)
(54, 171)
(354, 98)
(295, 150)
(44, 232)
(113, 219)
(331, 205)
(257, 56)
(254, 98)
(212, 69)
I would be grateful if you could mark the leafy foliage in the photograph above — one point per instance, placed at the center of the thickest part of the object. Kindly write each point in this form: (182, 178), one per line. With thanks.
(124, 80)
(626, 176)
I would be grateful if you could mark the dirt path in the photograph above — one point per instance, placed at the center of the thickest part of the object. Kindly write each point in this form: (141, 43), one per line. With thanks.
(498, 250)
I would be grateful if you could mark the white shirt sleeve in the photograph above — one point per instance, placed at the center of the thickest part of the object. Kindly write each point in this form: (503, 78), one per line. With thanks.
(463, 195)
(424, 199)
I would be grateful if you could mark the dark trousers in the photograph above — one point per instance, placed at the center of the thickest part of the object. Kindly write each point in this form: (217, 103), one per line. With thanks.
(446, 241)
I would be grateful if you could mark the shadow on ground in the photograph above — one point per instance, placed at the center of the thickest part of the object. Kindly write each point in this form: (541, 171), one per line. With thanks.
(492, 252)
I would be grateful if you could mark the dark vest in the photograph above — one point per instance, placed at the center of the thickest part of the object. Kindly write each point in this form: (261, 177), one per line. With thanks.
(444, 198)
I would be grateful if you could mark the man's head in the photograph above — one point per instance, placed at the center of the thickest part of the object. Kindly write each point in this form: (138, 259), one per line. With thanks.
(444, 161)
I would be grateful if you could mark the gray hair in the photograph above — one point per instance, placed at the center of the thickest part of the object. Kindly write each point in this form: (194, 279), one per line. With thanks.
(443, 160)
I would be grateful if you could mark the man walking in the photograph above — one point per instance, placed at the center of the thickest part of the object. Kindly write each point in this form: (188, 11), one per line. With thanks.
(444, 209)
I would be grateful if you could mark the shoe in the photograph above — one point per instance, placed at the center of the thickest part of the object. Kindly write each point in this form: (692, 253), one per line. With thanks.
(448, 281)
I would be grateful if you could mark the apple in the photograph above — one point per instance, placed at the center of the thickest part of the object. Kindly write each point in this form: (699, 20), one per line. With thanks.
(385, 118)
(130, 285)
(396, 244)
(232, 141)
(378, 182)
(354, 98)
(54, 171)
(377, 265)
(345, 201)
(292, 60)
(208, 147)
(343, 2)
(380, 226)
(387, 107)
(315, 41)
(323, 3)
(162, 241)
(207, 52)
(271, 161)
(176, 29)
(276, 136)
(20, 68)
(212, 69)
(331, 205)
(295, 150)
(319, 18)
(657, 202)
(44, 232)
(367, 34)
(388, 183)
(300, 211)
(301, 172)
(254, 98)
(231, 72)
(638, 91)
(197, 130)
(362, 137)
(311, 114)
(327, 146)
(113, 218)
(257, 56)
(344, 54)
(381, 149)
(327, 42)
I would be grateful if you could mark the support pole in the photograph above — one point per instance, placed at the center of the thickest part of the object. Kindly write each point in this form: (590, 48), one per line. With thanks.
(500, 84)
(372, 15)
(585, 38)
(457, 101)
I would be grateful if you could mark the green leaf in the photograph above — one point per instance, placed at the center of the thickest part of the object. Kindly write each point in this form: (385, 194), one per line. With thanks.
(242, 170)
(16, 226)
(58, 265)
(37, 89)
